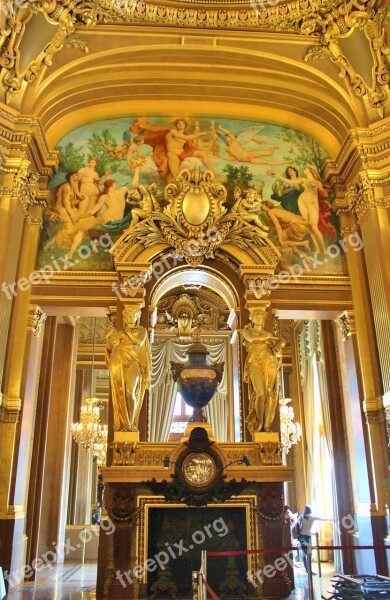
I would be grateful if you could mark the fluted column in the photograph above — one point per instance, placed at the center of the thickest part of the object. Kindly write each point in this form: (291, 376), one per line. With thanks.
(341, 461)
(370, 391)
(58, 441)
(12, 388)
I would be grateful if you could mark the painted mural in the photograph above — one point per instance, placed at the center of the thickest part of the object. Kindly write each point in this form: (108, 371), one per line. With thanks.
(92, 199)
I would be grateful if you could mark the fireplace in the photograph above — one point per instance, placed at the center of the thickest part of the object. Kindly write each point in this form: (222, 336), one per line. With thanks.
(173, 535)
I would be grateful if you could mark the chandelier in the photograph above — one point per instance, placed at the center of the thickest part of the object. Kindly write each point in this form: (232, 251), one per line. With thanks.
(290, 432)
(89, 432)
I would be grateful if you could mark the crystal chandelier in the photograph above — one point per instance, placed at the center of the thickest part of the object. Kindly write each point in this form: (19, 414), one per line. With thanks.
(290, 432)
(89, 432)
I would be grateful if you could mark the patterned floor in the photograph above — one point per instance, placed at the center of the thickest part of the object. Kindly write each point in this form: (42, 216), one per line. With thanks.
(73, 581)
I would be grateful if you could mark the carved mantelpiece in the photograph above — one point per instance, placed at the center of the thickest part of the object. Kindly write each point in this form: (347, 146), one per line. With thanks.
(130, 495)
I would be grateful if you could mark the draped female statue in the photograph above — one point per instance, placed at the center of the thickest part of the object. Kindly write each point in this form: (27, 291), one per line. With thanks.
(128, 357)
(261, 372)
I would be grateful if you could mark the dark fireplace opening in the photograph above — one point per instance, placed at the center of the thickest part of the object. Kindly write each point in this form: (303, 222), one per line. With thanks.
(176, 537)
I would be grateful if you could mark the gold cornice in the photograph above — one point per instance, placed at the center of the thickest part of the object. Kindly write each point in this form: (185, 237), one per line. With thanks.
(369, 146)
(24, 134)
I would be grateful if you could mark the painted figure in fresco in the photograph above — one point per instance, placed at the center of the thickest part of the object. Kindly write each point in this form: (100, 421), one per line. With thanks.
(210, 144)
(261, 371)
(292, 229)
(237, 152)
(144, 198)
(308, 200)
(176, 140)
(135, 158)
(246, 202)
(68, 198)
(287, 193)
(65, 208)
(170, 146)
(114, 200)
(117, 152)
(128, 357)
(89, 184)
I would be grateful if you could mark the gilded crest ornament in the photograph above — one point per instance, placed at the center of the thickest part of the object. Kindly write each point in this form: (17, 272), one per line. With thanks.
(194, 220)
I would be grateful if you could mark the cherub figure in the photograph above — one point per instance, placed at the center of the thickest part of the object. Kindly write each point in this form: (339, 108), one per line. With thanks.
(146, 200)
(246, 202)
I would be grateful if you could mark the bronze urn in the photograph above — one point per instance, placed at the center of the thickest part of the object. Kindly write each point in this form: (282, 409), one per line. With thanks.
(197, 380)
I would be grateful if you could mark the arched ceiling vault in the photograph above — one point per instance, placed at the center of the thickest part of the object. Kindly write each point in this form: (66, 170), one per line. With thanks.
(162, 73)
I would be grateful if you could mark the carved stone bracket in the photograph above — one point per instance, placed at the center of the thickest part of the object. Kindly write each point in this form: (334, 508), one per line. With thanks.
(124, 453)
(360, 197)
(364, 26)
(270, 453)
(346, 324)
(37, 320)
(25, 189)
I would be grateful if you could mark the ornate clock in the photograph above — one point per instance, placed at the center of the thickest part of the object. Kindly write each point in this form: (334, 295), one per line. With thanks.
(199, 469)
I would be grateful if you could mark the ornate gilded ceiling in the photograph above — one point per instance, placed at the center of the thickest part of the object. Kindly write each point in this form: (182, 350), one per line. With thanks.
(195, 52)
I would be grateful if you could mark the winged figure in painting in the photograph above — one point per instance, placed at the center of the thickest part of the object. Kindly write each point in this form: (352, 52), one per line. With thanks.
(234, 146)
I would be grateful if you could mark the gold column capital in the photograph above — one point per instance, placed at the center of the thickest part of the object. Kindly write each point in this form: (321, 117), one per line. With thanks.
(9, 409)
(374, 410)
(255, 305)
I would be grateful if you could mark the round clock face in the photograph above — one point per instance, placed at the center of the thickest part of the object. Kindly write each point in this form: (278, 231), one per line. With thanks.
(199, 469)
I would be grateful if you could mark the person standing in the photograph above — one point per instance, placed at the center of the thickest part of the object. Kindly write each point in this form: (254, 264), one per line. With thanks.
(306, 522)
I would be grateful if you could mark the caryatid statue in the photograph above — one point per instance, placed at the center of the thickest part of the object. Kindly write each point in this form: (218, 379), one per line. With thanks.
(261, 371)
(128, 357)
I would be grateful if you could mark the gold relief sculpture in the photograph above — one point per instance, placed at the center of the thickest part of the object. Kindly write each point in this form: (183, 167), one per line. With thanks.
(196, 223)
(261, 371)
(184, 316)
(128, 357)
(310, 18)
(344, 21)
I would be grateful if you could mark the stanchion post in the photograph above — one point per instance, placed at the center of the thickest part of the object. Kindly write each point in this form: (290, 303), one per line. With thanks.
(309, 573)
(204, 573)
(318, 554)
(84, 541)
(194, 585)
(200, 586)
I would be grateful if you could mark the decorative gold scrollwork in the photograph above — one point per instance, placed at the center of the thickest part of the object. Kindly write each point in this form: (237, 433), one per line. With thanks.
(346, 20)
(195, 222)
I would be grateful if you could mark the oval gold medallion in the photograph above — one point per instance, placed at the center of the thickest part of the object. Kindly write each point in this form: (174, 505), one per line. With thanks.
(196, 206)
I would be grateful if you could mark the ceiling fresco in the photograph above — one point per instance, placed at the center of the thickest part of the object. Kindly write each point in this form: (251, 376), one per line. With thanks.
(94, 198)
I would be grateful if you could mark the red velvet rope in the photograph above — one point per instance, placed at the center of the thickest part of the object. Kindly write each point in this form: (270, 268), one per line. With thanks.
(287, 548)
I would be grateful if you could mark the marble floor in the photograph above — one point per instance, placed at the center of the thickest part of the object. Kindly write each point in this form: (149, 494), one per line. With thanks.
(74, 581)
